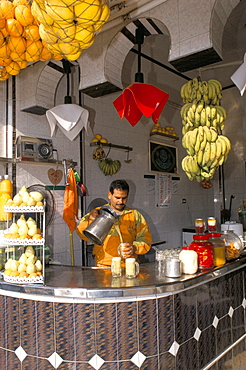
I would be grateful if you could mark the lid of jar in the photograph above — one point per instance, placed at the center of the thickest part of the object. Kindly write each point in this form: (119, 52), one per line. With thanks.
(187, 247)
(214, 235)
(200, 237)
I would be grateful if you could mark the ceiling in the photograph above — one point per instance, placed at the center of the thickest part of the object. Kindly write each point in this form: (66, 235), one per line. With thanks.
(156, 51)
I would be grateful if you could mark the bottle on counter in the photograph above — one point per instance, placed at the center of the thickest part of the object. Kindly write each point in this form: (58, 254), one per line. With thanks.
(218, 248)
(6, 190)
(189, 260)
(212, 224)
(204, 250)
(233, 244)
(199, 226)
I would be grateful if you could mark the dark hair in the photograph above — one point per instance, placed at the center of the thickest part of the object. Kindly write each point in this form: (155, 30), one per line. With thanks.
(118, 185)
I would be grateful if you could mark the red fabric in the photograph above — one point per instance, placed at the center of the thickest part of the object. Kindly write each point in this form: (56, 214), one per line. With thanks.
(138, 99)
(70, 210)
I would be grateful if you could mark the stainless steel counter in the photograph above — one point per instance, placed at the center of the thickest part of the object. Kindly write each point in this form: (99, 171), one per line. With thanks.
(94, 282)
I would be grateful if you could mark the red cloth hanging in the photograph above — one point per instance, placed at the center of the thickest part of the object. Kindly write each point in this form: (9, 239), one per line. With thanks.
(138, 99)
(70, 210)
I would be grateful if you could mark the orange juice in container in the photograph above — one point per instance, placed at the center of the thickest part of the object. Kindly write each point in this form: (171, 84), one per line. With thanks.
(6, 189)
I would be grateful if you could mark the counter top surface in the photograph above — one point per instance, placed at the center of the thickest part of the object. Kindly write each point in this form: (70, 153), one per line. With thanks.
(96, 282)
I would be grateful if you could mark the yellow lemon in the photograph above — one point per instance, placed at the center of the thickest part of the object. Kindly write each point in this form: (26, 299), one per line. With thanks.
(87, 45)
(68, 48)
(98, 136)
(65, 33)
(24, 15)
(84, 35)
(87, 12)
(58, 11)
(41, 15)
(13, 68)
(8, 272)
(47, 34)
(103, 140)
(74, 56)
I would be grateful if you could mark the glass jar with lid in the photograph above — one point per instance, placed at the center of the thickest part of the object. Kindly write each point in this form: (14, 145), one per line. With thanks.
(233, 245)
(204, 249)
(189, 260)
(218, 248)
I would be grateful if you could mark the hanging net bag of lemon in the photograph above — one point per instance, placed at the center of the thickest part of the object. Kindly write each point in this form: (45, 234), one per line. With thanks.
(40, 30)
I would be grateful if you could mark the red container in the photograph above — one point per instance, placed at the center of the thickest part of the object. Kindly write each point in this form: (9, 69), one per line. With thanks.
(204, 249)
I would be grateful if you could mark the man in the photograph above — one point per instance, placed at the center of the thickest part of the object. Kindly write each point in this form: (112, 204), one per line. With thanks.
(131, 225)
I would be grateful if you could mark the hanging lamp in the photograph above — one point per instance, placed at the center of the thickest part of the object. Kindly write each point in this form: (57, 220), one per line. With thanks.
(70, 118)
(139, 98)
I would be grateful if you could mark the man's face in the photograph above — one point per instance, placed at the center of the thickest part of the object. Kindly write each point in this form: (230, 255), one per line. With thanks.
(118, 199)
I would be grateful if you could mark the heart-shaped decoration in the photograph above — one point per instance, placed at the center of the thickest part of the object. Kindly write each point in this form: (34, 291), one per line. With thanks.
(55, 176)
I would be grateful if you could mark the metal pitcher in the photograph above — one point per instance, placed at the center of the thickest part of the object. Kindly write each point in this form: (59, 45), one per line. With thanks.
(100, 227)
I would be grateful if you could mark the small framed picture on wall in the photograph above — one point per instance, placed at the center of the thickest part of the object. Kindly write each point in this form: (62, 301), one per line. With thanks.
(163, 157)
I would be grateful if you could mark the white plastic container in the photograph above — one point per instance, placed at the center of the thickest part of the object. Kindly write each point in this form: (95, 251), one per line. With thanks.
(189, 261)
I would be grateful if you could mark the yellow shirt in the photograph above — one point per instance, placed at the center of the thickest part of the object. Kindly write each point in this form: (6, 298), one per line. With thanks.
(133, 228)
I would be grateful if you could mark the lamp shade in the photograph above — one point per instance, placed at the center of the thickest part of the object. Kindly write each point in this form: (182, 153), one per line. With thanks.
(140, 99)
(70, 118)
(239, 77)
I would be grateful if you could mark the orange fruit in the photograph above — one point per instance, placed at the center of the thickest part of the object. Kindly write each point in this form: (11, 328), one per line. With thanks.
(16, 57)
(23, 274)
(7, 8)
(13, 69)
(40, 204)
(2, 20)
(17, 44)
(23, 64)
(4, 51)
(14, 27)
(4, 32)
(31, 32)
(39, 273)
(2, 39)
(24, 15)
(57, 56)
(23, 236)
(33, 50)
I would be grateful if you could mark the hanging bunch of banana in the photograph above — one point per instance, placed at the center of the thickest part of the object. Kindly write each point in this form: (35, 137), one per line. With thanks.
(203, 121)
(109, 167)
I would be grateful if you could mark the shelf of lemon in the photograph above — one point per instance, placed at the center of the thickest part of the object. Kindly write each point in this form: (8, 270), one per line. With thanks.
(47, 29)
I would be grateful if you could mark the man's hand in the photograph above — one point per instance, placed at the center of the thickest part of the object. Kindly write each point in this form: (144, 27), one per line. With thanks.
(94, 213)
(128, 250)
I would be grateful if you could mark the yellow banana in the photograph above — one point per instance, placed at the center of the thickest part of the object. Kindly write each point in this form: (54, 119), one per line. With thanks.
(223, 145)
(201, 87)
(206, 155)
(213, 112)
(214, 123)
(218, 148)
(203, 143)
(200, 107)
(197, 118)
(213, 152)
(214, 134)
(211, 91)
(197, 145)
(184, 109)
(207, 133)
(195, 83)
(205, 87)
(216, 83)
(228, 143)
(199, 157)
(182, 91)
(222, 111)
(189, 87)
(203, 117)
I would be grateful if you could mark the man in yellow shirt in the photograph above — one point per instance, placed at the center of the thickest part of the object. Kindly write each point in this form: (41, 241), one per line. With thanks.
(131, 224)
